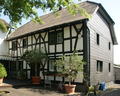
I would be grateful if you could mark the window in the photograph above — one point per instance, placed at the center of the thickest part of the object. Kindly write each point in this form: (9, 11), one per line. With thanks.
(99, 66)
(109, 67)
(109, 45)
(51, 65)
(52, 38)
(98, 39)
(14, 45)
(55, 37)
(25, 43)
(59, 37)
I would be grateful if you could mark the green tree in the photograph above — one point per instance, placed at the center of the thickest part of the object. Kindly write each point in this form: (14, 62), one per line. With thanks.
(18, 9)
(70, 65)
(35, 56)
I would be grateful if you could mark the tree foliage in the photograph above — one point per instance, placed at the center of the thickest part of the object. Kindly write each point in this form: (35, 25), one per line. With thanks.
(35, 56)
(3, 72)
(18, 9)
(70, 65)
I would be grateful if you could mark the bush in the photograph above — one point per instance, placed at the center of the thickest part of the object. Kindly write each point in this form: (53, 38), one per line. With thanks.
(3, 72)
(22, 73)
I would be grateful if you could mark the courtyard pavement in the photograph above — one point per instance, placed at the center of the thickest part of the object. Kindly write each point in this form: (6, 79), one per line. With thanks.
(31, 90)
(41, 91)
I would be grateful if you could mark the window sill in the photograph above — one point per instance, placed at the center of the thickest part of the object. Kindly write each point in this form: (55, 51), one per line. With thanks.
(98, 72)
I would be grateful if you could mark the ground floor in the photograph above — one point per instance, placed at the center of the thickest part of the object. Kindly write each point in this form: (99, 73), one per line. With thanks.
(11, 67)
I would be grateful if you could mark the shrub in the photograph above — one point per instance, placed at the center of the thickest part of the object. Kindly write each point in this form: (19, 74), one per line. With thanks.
(3, 72)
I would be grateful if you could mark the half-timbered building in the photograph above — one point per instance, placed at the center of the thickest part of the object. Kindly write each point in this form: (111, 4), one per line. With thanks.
(93, 37)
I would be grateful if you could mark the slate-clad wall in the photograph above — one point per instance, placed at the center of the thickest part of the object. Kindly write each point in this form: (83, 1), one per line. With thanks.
(97, 24)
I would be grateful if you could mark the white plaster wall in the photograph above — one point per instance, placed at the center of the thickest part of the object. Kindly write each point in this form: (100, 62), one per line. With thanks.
(73, 32)
(29, 40)
(66, 32)
(52, 48)
(67, 45)
(59, 48)
(3, 44)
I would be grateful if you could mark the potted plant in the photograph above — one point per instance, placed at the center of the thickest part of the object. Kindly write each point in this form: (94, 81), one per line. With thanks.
(22, 74)
(3, 72)
(35, 56)
(4, 93)
(70, 65)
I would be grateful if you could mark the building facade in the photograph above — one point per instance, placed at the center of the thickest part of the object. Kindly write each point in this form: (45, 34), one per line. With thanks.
(94, 38)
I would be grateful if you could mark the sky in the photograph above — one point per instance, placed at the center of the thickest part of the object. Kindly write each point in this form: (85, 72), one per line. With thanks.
(112, 7)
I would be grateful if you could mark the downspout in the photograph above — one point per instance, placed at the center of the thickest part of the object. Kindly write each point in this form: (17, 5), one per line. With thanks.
(86, 48)
(89, 49)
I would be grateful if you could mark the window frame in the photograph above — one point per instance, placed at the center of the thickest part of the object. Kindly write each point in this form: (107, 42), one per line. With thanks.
(51, 63)
(51, 33)
(99, 67)
(109, 46)
(55, 37)
(58, 37)
(14, 45)
(24, 43)
(98, 39)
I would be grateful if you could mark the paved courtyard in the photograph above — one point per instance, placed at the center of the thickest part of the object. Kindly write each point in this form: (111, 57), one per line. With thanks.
(38, 91)
(24, 88)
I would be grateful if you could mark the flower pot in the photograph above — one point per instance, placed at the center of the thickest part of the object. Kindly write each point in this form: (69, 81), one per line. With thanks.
(4, 93)
(58, 75)
(1, 80)
(51, 74)
(22, 78)
(69, 88)
(35, 80)
(55, 74)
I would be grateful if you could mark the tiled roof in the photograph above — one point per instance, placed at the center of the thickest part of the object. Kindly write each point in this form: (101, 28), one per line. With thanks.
(5, 23)
(50, 20)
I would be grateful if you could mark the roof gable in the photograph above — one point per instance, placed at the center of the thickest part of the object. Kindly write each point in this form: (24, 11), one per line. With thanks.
(65, 17)
(5, 23)
(50, 20)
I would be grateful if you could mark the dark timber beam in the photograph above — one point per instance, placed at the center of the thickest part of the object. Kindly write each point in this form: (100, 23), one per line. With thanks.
(86, 51)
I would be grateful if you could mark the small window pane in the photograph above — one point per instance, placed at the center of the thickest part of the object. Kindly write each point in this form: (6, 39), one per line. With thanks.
(98, 39)
(14, 45)
(25, 43)
(59, 37)
(52, 39)
(99, 66)
(109, 45)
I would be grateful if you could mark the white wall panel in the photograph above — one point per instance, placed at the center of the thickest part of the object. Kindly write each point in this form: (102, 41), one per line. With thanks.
(66, 32)
(52, 48)
(29, 40)
(59, 48)
(73, 32)
(28, 73)
(79, 44)
(46, 38)
(73, 43)
(67, 45)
